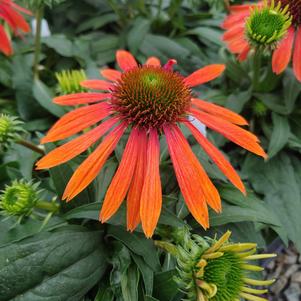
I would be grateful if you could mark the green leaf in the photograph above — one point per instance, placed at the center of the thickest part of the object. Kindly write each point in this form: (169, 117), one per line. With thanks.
(53, 266)
(278, 181)
(60, 43)
(138, 244)
(137, 34)
(280, 134)
(207, 34)
(241, 208)
(129, 284)
(44, 96)
(165, 288)
(292, 90)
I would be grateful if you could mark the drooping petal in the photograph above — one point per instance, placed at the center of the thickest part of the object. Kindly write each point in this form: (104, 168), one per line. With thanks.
(282, 55)
(15, 20)
(96, 84)
(218, 158)
(297, 55)
(134, 194)
(151, 196)
(153, 61)
(5, 45)
(77, 120)
(219, 111)
(122, 179)
(80, 98)
(111, 74)
(233, 31)
(125, 60)
(189, 178)
(18, 7)
(244, 54)
(75, 147)
(204, 75)
(91, 167)
(234, 133)
(234, 19)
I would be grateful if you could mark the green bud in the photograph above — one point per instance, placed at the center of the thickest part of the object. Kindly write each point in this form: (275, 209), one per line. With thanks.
(10, 130)
(19, 198)
(69, 81)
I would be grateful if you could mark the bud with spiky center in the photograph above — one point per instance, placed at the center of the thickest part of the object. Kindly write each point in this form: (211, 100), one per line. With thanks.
(267, 25)
(10, 130)
(19, 198)
(69, 81)
(217, 270)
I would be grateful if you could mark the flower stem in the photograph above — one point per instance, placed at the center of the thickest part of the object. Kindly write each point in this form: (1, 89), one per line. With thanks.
(48, 206)
(257, 59)
(31, 146)
(39, 17)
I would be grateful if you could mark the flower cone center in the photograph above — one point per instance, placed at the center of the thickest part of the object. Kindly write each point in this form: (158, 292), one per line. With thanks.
(267, 26)
(226, 273)
(151, 96)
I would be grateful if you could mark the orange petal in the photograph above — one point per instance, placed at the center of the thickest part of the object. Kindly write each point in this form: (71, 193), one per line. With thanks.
(297, 55)
(234, 19)
(15, 6)
(151, 196)
(122, 179)
(80, 98)
(77, 120)
(91, 167)
(134, 194)
(75, 147)
(14, 19)
(189, 179)
(125, 60)
(204, 75)
(244, 54)
(153, 61)
(96, 84)
(219, 111)
(218, 158)
(111, 74)
(234, 133)
(5, 45)
(282, 55)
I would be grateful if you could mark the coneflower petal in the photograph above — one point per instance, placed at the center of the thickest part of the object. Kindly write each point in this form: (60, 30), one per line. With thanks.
(96, 84)
(14, 19)
(75, 147)
(111, 74)
(134, 194)
(189, 179)
(151, 196)
(218, 158)
(5, 45)
(91, 167)
(125, 60)
(282, 55)
(80, 98)
(204, 75)
(234, 133)
(122, 179)
(219, 111)
(297, 55)
(77, 120)
(153, 61)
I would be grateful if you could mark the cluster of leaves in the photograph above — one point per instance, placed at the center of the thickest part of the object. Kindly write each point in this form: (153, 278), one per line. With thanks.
(76, 258)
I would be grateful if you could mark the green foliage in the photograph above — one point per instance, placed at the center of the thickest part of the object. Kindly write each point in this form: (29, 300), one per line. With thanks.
(71, 255)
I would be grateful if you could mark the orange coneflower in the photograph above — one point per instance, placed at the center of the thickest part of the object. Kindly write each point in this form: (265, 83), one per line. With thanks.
(149, 100)
(272, 23)
(9, 13)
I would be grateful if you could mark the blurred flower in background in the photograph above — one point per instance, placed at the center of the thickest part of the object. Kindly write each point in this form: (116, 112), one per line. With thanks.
(268, 25)
(9, 13)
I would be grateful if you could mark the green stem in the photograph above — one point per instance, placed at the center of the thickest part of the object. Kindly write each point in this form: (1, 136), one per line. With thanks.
(257, 59)
(227, 5)
(39, 17)
(48, 206)
(31, 146)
